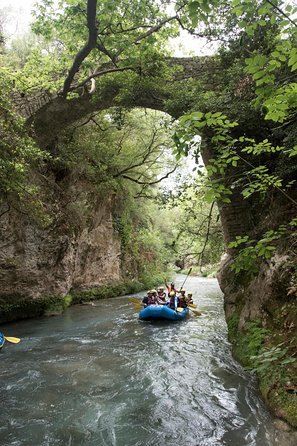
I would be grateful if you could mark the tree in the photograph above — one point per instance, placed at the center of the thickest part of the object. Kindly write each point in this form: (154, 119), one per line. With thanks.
(18, 155)
(247, 127)
(116, 37)
(196, 235)
(118, 146)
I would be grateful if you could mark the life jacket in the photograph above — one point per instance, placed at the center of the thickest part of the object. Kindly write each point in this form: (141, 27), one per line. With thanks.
(148, 300)
(182, 302)
(162, 296)
(189, 300)
(173, 302)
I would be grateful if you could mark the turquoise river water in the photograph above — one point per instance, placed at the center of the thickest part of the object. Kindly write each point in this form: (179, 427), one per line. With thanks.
(99, 376)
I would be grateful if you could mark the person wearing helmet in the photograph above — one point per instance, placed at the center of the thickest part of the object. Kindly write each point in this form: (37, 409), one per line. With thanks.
(189, 298)
(147, 300)
(173, 300)
(154, 296)
(182, 302)
(161, 296)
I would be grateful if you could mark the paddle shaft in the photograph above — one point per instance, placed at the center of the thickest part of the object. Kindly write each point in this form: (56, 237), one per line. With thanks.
(185, 279)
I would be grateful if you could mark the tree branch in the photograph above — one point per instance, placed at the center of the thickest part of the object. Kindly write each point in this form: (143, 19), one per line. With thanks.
(145, 155)
(7, 210)
(282, 12)
(152, 182)
(98, 74)
(201, 253)
(85, 51)
(154, 29)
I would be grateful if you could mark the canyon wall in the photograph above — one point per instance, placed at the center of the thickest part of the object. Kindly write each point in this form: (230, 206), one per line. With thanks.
(69, 253)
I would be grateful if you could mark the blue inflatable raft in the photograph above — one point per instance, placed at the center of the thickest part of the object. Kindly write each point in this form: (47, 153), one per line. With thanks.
(2, 339)
(162, 312)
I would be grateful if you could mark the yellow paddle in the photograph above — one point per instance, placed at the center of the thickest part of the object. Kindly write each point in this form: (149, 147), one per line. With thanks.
(134, 300)
(137, 303)
(196, 312)
(190, 270)
(180, 309)
(192, 305)
(12, 339)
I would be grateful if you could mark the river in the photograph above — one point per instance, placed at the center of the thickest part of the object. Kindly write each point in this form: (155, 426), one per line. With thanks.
(97, 375)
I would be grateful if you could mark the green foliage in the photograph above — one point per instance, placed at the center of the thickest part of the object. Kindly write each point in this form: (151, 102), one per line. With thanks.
(122, 225)
(115, 289)
(19, 154)
(233, 322)
(20, 49)
(251, 251)
(255, 335)
(270, 66)
(118, 146)
(268, 357)
(143, 251)
(194, 232)
(229, 153)
(186, 141)
(124, 154)
(249, 341)
(257, 82)
(12, 308)
(130, 36)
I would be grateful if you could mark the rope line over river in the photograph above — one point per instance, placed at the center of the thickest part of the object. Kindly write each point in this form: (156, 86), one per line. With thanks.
(97, 375)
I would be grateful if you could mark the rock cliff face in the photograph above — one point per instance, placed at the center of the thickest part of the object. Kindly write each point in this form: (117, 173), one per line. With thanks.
(261, 314)
(254, 298)
(38, 262)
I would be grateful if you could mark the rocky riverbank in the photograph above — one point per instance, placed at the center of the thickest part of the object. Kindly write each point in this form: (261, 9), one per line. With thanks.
(262, 323)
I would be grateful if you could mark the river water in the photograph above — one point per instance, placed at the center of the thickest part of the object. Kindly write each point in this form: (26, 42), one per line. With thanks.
(97, 375)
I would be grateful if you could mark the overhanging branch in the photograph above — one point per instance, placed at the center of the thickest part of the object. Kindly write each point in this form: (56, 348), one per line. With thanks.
(150, 183)
(100, 73)
(85, 51)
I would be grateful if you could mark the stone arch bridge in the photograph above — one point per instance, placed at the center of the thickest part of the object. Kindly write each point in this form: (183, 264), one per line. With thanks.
(49, 114)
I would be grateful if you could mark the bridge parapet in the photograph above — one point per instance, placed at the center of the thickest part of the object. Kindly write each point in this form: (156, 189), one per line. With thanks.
(29, 105)
(26, 105)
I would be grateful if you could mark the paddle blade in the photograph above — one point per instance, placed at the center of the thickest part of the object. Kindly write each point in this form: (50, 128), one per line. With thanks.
(192, 305)
(196, 312)
(179, 309)
(12, 339)
(134, 300)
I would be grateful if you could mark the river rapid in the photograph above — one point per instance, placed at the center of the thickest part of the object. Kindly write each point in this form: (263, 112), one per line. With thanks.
(97, 375)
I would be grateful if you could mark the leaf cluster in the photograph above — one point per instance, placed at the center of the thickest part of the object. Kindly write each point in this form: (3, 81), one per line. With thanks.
(251, 251)
(19, 154)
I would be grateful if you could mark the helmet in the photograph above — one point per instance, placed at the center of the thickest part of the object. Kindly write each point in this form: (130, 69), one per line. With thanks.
(161, 288)
(153, 291)
(190, 294)
(172, 294)
(149, 292)
(182, 291)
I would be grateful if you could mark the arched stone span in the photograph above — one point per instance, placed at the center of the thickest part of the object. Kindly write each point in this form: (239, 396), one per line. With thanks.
(50, 114)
